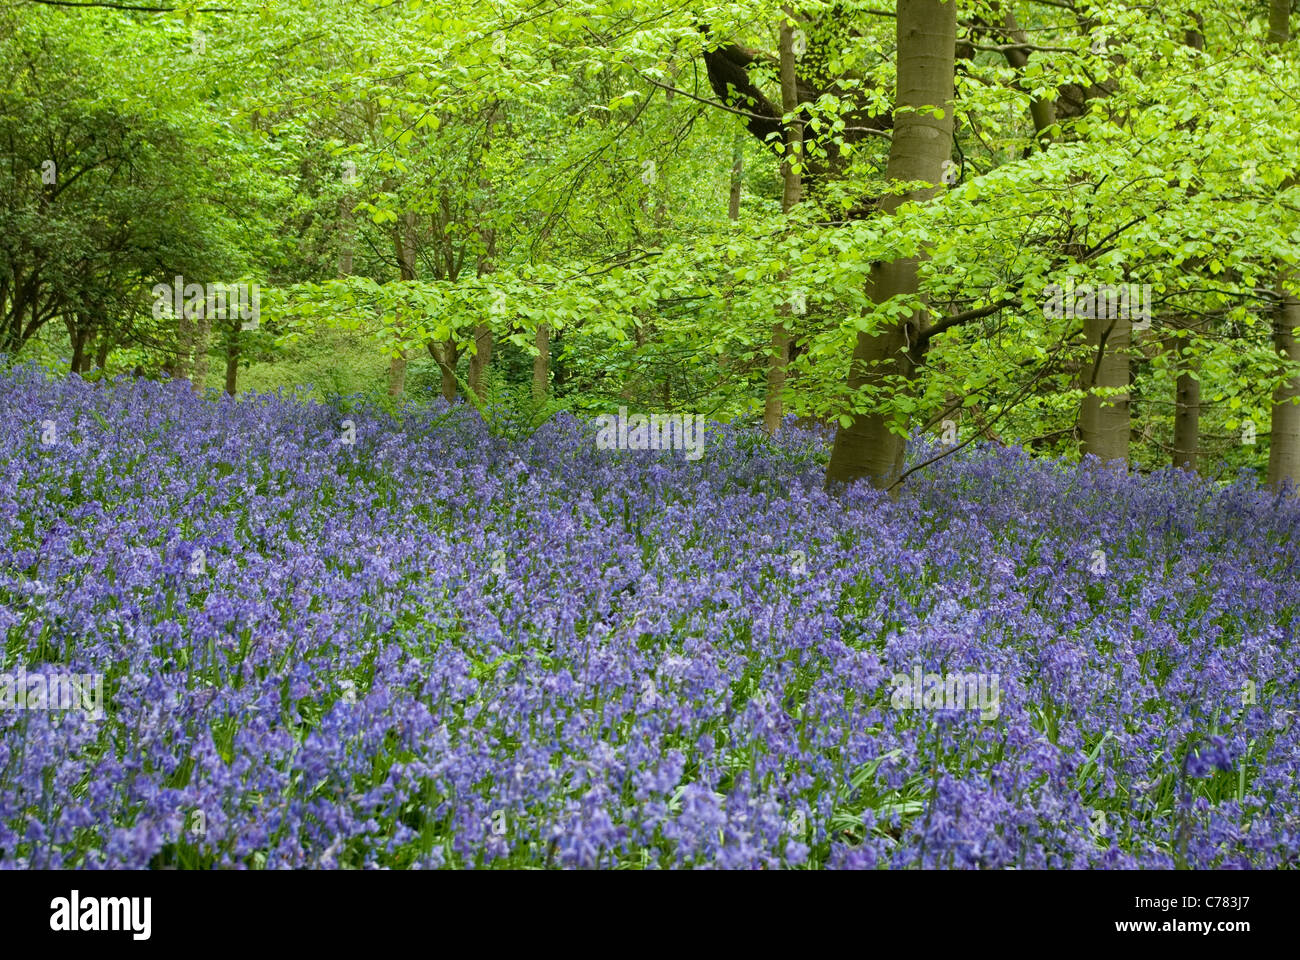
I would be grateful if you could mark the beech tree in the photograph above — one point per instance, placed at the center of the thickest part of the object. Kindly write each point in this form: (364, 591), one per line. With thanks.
(920, 146)
(849, 212)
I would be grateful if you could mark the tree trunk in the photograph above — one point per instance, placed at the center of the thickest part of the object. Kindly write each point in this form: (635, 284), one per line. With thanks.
(1187, 422)
(397, 375)
(346, 233)
(542, 363)
(1187, 389)
(482, 356)
(77, 334)
(1041, 111)
(202, 335)
(1279, 21)
(927, 37)
(184, 344)
(1187, 412)
(449, 373)
(104, 344)
(1284, 438)
(737, 172)
(232, 359)
(1105, 422)
(444, 354)
(792, 193)
(778, 360)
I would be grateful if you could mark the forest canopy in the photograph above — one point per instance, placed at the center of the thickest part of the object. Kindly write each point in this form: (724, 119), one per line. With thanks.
(1067, 225)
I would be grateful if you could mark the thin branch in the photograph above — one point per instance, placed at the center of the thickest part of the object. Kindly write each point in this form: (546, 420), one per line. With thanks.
(947, 323)
(1004, 411)
(711, 103)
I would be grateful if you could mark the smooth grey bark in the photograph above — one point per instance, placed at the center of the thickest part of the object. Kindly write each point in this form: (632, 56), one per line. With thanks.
(542, 363)
(737, 174)
(1105, 422)
(1187, 410)
(926, 34)
(1284, 437)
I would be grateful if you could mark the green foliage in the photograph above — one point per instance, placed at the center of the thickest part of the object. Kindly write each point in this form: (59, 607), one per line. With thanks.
(510, 410)
(402, 176)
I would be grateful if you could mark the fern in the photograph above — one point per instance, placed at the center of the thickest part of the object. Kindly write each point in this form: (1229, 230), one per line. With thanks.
(510, 410)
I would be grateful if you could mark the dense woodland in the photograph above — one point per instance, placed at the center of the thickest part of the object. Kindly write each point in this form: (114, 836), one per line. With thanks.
(828, 210)
(964, 534)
